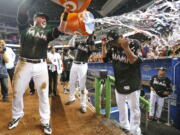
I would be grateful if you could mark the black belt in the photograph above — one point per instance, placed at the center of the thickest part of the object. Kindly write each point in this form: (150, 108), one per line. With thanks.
(32, 60)
(79, 62)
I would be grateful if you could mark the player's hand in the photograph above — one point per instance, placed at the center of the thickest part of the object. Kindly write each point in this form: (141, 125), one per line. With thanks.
(124, 43)
(166, 93)
(5, 58)
(104, 41)
(67, 9)
(49, 61)
(1, 50)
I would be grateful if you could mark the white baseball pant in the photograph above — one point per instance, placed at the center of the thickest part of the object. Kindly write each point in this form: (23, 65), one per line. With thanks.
(23, 73)
(131, 100)
(78, 73)
(160, 102)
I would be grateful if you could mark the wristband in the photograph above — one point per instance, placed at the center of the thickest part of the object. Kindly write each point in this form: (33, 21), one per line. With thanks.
(65, 16)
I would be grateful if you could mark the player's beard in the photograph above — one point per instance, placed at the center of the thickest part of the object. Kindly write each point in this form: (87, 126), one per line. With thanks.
(43, 24)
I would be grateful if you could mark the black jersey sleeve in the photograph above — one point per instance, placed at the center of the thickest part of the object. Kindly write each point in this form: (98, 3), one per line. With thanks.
(76, 45)
(138, 48)
(22, 15)
(137, 51)
(151, 81)
(22, 21)
(91, 42)
(169, 87)
(53, 34)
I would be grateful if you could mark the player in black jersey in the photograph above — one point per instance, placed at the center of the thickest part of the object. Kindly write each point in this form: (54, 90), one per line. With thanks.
(79, 71)
(126, 58)
(160, 88)
(32, 62)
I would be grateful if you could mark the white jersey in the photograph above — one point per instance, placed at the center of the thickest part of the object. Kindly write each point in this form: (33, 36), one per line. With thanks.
(12, 56)
(56, 62)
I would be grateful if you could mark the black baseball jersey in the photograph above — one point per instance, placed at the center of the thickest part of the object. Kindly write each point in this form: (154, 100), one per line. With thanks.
(127, 76)
(160, 84)
(34, 40)
(83, 52)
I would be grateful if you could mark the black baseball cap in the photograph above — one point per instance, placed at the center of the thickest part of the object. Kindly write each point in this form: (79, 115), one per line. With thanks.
(162, 68)
(40, 14)
(113, 35)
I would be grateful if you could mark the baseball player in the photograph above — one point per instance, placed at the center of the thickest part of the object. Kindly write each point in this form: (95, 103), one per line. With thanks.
(125, 55)
(160, 86)
(79, 70)
(32, 88)
(32, 62)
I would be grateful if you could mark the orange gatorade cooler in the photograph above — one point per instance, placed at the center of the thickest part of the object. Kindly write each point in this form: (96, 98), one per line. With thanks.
(80, 23)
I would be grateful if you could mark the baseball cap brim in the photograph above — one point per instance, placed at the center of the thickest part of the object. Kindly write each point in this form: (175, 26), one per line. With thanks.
(42, 15)
(113, 35)
(162, 68)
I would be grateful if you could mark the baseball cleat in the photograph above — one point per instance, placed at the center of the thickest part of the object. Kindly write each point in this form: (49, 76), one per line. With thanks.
(83, 109)
(14, 123)
(47, 129)
(151, 118)
(5, 99)
(65, 91)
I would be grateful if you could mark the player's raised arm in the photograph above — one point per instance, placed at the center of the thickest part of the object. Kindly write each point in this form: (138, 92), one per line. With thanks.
(72, 41)
(104, 50)
(63, 22)
(22, 15)
(125, 45)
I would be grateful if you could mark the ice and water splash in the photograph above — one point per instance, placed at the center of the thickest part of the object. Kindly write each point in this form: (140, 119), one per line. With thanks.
(161, 20)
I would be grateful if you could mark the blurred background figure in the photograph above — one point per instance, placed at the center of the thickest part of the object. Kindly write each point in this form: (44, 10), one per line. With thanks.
(32, 87)
(150, 53)
(160, 88)
(3, 71)
(10, 65)
(67, 63)
(54, 68)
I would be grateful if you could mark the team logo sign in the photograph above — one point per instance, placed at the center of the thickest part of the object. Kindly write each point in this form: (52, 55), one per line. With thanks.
(70, 5)
(147, 68)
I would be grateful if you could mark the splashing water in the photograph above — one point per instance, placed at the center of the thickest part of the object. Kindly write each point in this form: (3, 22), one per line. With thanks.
(161, 20)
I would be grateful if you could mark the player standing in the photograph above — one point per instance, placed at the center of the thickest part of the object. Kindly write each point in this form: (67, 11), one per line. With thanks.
(32, 62)
(124, 54)
(160, 88)
(79, 71)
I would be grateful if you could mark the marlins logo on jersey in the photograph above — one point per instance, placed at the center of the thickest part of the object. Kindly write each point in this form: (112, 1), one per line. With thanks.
(121, 58)
(37, 33)
(161, 83)
(83, 48)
